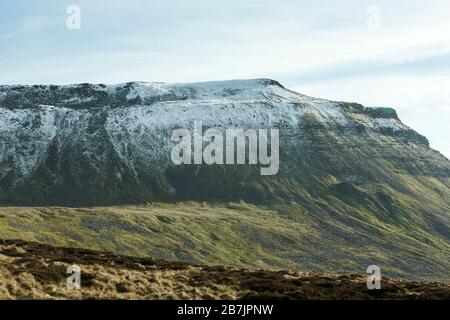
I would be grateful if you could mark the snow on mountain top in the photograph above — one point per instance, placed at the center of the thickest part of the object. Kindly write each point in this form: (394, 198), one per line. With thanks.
(251, 93)
(145, 93)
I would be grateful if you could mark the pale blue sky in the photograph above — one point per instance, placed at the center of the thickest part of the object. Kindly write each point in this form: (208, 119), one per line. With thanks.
(320, 48)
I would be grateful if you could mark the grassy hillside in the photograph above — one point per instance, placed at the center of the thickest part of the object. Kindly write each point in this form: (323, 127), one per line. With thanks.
(309, 237)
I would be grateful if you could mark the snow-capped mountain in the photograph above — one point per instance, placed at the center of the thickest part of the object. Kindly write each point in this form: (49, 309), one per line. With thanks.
(102, 144)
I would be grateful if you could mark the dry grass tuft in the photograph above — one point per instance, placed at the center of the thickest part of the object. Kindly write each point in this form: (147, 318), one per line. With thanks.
(36, 271)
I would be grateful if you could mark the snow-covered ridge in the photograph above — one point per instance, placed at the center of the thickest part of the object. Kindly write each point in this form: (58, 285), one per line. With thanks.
(258, 101)
(131, 94)
(229, 102)
(80, 96)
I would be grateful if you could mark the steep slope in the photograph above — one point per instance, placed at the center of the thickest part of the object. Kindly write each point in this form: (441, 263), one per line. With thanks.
(95, 144)
(355, 185)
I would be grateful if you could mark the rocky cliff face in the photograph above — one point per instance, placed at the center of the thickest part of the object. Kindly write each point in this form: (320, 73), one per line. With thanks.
(97, 144)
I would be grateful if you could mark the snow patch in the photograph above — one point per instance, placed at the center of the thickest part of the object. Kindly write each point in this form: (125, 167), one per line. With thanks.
(388, 123)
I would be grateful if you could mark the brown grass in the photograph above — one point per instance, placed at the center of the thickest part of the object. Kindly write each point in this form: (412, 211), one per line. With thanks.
(35, 271)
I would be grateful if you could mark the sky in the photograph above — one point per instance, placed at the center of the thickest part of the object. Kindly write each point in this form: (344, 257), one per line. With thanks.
(378, 53)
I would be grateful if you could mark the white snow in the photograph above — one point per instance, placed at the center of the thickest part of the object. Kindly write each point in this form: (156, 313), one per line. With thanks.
(141, 133)
(388, 123)
(16, 127)
(147, 90)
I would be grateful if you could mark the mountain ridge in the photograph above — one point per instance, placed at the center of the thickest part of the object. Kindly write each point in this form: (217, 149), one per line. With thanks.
(34, 131)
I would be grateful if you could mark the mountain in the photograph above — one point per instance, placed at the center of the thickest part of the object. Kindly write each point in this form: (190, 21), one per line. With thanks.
(96, 144)
(354, 186)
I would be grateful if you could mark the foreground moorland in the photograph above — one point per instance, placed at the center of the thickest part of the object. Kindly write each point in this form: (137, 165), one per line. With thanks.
(37, 271)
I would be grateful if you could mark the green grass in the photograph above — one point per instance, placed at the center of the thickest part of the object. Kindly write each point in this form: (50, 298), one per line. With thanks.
(345, 236)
